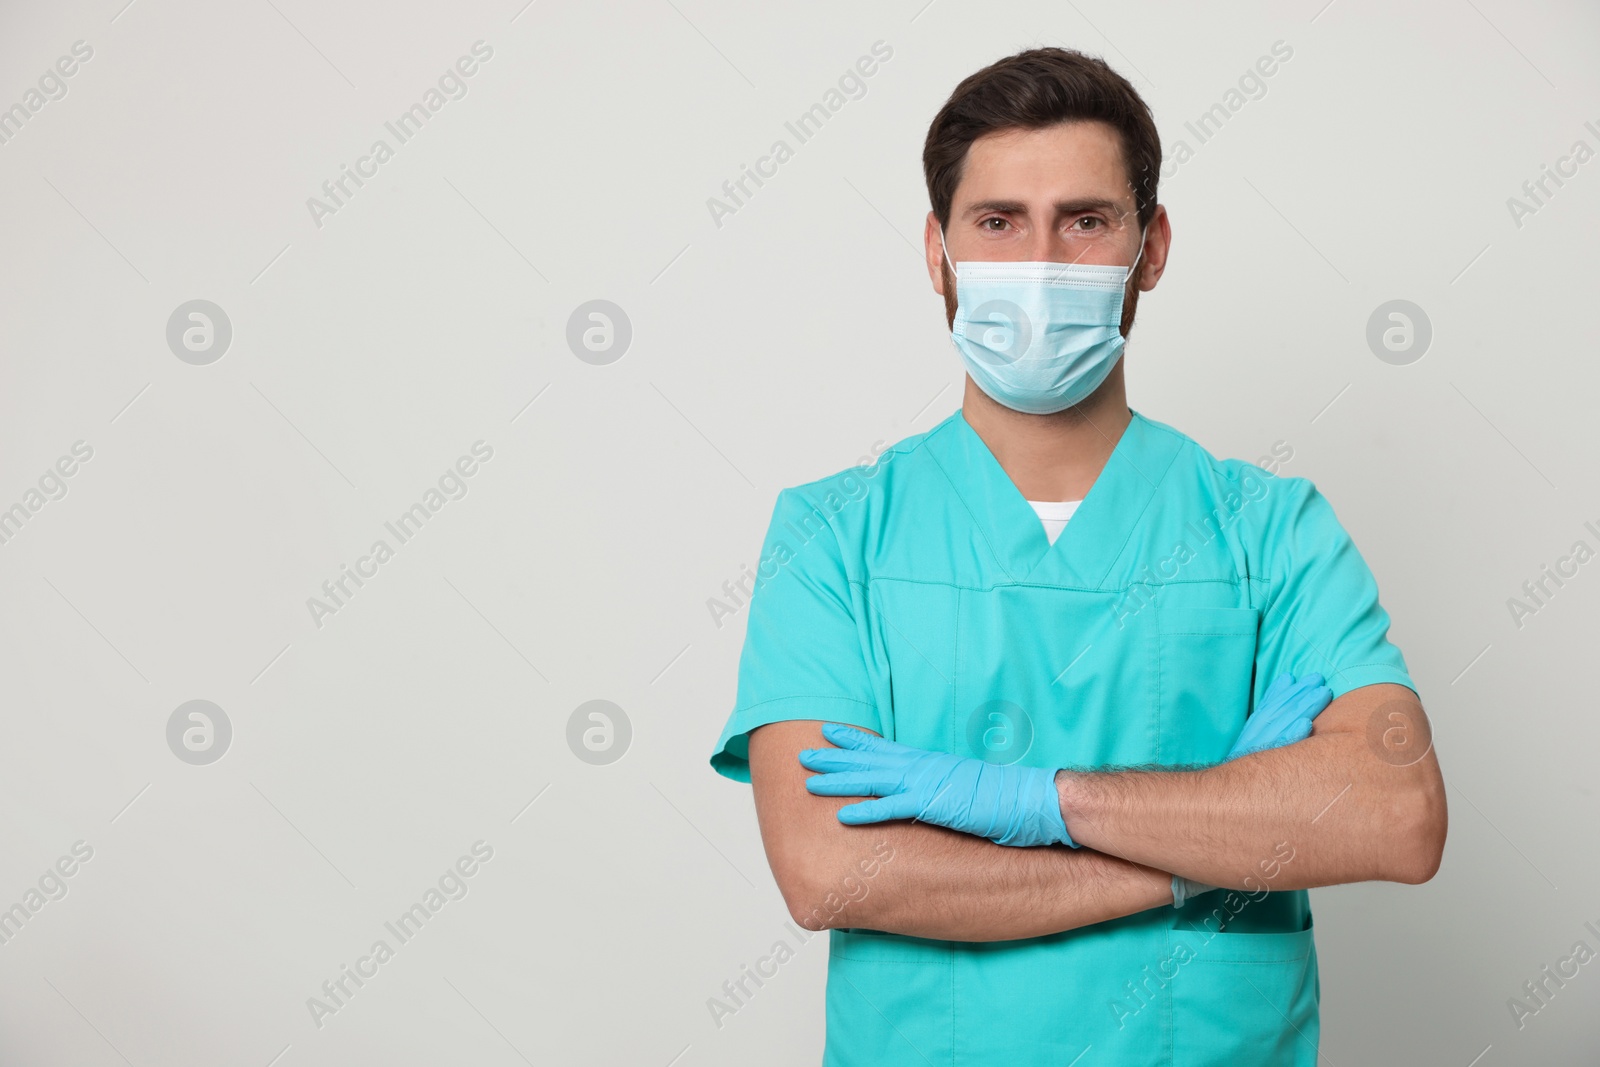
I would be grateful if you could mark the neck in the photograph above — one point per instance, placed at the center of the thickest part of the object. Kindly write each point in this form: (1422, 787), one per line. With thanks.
(1052, 457)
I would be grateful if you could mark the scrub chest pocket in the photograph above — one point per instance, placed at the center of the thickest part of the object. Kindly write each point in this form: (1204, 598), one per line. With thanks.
(1206, 658)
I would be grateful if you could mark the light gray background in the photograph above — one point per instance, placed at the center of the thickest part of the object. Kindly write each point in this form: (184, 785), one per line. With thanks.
(369, 353)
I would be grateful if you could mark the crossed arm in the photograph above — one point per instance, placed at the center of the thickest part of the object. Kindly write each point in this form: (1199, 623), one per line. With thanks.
(1350, 803)
(935, 882)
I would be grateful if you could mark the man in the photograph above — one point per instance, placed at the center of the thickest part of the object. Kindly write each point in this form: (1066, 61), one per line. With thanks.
(1073, 622)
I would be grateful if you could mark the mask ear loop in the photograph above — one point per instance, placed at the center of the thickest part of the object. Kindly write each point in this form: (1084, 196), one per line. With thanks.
(946, 251)
(1143, 231)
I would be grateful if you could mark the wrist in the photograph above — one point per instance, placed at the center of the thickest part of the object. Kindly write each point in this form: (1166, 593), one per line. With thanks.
(1052, 818)
(1070, 796)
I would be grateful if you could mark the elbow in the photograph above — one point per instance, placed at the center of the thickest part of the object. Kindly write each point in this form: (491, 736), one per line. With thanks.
(1423, 823)
(802, 899)
(816, 906)
(790, 872)
(843, 894)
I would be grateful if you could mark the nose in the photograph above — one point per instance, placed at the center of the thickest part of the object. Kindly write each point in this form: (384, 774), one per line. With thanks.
(1050, 246)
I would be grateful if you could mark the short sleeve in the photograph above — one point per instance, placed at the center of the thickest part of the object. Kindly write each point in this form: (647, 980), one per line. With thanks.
(1322, 612)
(803, 655)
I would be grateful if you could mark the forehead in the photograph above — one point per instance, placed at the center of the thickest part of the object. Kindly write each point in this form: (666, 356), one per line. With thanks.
(1068, 160)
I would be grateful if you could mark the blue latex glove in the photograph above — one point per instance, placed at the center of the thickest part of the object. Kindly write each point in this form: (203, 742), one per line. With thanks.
(1008, 805)
(1284, 714)
(1281, 718)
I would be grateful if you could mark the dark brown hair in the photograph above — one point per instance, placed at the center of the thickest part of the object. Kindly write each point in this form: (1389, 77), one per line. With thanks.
(1031, 90)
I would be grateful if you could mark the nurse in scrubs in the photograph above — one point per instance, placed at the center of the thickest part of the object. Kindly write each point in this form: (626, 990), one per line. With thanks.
(1051, 716)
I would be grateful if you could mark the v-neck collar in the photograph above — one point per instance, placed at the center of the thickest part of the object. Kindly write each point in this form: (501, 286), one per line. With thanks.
(1086, 550)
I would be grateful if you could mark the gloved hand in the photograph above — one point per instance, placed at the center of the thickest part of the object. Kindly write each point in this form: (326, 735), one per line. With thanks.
(1008, 805)
(1281, 718)
(1284, 714)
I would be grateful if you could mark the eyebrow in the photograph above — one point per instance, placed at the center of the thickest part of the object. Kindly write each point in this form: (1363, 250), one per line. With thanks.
(1062, 207)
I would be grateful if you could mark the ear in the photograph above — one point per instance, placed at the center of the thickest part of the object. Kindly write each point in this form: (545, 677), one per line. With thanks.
(1157, 246)
(933, 251)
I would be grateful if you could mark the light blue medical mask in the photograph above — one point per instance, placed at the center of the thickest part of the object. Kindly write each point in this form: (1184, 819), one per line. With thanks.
(1038, 337)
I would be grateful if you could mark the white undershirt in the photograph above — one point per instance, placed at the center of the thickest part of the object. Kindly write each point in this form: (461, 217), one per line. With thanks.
(1054, 514)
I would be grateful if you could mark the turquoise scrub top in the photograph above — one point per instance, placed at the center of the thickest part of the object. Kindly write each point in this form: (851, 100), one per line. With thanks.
(920, 598)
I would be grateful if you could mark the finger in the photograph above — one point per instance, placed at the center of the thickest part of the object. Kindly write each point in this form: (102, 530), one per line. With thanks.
(838, 759)
(846, 736)
(899, 806)
(853, 784)
(1274, 727)
(1280, 685)
(1308, 684)
(1312, 701)
(1298, 730)
(1290, 731)
(1269, 713)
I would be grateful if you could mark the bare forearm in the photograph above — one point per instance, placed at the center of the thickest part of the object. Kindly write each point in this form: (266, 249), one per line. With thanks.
(1348, 814)
(936, 883)
(1216, 825)
(921, 880)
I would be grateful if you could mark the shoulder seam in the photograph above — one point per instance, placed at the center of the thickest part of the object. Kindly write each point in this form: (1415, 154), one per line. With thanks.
(903, 447)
